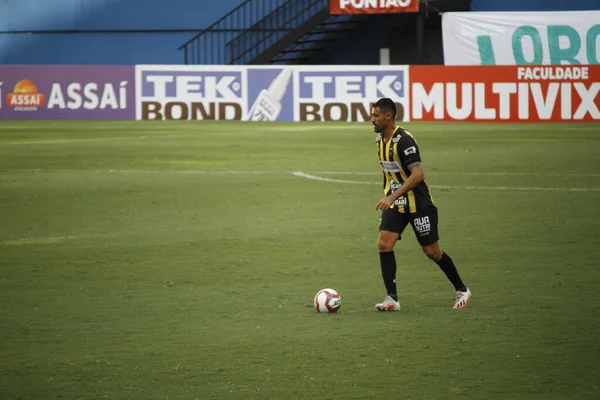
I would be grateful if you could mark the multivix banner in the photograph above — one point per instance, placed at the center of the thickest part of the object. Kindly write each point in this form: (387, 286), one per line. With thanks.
(268, 93)
(521, 38)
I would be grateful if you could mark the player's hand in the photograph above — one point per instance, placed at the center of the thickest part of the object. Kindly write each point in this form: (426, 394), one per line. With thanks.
(385, 203)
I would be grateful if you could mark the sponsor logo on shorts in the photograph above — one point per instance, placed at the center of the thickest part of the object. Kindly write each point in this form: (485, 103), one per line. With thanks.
(422, 225)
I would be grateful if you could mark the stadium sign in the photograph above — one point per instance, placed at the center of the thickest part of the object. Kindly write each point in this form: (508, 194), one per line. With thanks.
(521, 38)
(214, 93)
(505, 93)
(372, 6)
(326, 93)
(66, 92)
(184, 93)
(347, 93)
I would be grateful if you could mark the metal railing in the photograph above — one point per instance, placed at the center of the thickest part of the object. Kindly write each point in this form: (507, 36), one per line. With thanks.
(316, 40)
(247, 30)
(293, 13)
(209, 45)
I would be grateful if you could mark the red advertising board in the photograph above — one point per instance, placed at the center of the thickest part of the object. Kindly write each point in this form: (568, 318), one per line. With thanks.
(372, 6)
(558, 93)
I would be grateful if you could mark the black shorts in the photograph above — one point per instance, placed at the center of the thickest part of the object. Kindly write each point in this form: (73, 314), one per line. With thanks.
(424, 223)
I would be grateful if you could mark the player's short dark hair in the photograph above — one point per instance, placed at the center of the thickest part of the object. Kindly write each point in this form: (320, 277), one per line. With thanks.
(386, 105)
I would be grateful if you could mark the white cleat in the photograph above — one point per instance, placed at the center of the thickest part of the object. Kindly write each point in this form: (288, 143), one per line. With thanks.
(462, 299)
(388, 304)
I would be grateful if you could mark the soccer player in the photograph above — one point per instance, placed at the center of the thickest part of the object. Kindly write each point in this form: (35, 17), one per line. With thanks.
(407, 201)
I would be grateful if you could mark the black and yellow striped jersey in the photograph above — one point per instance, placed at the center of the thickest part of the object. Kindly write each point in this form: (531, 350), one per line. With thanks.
(395, 156)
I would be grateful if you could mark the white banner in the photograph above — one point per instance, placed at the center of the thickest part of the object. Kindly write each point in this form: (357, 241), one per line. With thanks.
(267, 93)
(521, 38)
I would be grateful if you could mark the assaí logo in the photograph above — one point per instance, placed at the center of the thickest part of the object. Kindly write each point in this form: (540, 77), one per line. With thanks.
(25, 96)
(89, 96)
(73, 96)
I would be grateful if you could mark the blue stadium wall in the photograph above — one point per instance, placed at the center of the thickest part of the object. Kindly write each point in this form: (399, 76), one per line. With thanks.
(19, 17)
(110, 15)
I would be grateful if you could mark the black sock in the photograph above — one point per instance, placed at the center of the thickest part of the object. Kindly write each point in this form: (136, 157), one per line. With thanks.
(447, 265)
(388, 272)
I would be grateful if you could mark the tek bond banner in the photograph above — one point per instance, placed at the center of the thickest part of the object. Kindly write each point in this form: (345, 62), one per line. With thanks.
(267, 93)
(505, 93)
(66, 92)
(521, 38)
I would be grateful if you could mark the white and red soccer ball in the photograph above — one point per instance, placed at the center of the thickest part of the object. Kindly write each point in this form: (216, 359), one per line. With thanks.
(327, 301)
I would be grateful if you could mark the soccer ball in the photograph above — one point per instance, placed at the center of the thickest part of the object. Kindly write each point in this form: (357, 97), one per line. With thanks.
(327, 300)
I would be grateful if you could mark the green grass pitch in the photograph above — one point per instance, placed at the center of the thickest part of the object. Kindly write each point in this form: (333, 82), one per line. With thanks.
(146, 260)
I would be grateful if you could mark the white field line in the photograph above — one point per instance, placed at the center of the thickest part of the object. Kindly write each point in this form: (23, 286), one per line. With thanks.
(296, 173)
(103, 139)
(464, 173)
(143, 171)
(210, 171)
(108, 139)
(505, 188)
(246, 129)
(323, 179)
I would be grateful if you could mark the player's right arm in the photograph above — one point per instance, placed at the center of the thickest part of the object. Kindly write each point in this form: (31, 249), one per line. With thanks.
(408, 152)
(416, 176)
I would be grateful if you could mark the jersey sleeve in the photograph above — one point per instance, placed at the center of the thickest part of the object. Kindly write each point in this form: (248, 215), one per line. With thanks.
(408, 151)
